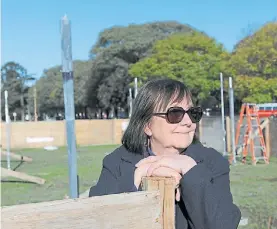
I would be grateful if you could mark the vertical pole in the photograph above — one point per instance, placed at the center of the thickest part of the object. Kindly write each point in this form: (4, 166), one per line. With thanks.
(136, 87)
(267, 139)
(35, 104)
(231, 104)
(228, 134)
(68, 87)
(7, 129)
(222, 114)
(130, 102)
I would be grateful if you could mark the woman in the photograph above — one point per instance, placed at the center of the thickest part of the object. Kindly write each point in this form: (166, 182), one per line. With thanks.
(160, 141)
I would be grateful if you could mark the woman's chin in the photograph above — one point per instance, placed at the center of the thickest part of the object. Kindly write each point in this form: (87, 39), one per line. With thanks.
(183, 142)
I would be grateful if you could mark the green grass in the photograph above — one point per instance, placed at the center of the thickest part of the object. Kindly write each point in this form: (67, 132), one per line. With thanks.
(53, 167)
(254, 188)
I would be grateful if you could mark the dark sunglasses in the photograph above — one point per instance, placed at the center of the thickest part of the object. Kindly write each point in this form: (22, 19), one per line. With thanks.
(176, 114)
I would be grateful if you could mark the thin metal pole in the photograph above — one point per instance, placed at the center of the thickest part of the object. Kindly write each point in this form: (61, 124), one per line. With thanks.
(223, 115)
(232, 117)
(136, 87)
(130, 102)
(7, 129)
(68, 87)
(35, 104)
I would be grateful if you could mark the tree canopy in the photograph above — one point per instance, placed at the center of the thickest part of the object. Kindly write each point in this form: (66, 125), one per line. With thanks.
(253, 64)
(147, 51)
(50, 88)
(15, 80)
(117, 48)
(194, 59)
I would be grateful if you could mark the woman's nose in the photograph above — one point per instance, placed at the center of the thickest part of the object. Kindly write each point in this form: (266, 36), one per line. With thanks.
(186, 121)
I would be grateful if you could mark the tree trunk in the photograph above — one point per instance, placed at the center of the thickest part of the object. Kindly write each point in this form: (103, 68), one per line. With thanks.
(22, 107)
(29, 112)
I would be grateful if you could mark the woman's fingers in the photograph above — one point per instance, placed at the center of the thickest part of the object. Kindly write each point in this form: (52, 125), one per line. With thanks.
(149, 159)
(152, 168)
(178, 194)
(167, 172)
(162, 162)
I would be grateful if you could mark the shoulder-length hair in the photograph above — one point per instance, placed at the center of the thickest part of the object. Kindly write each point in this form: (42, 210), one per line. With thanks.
(154, 96)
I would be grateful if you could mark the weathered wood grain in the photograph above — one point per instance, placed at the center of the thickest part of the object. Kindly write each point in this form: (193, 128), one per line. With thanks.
(125, 211)
(17, 156)
(21, 176)
(166, 186)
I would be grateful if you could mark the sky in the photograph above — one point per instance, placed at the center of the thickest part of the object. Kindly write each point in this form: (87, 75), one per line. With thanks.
(30, 29)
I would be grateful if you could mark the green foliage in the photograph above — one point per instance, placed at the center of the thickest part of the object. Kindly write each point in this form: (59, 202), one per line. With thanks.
(147, 51)
(255, 89)
(14, 79)
(254, 66)
(192, 58)
(117, 48)
(50, 88)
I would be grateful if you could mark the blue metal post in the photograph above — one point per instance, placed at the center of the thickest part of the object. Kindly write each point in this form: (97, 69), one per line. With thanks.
(223, 114)
(68, 87)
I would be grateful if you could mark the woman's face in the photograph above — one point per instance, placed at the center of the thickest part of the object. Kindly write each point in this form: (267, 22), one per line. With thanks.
(168, 138)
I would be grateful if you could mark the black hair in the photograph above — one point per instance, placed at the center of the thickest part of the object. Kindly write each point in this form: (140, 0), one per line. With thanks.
(154, 96)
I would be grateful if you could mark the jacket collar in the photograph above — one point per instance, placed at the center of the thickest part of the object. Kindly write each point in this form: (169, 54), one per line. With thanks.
(131, 157)
(195, 151)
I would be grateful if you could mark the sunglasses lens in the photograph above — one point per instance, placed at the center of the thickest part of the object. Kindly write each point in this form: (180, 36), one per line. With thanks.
(195, 114)
(175, 115)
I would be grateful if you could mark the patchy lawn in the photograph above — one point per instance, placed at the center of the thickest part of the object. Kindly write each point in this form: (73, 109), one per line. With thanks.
(254, 187)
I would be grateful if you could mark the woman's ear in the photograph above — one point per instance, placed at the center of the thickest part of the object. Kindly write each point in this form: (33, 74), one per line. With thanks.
(147, 130)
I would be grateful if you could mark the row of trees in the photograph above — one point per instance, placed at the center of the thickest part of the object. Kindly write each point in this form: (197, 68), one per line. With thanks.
(160, 49)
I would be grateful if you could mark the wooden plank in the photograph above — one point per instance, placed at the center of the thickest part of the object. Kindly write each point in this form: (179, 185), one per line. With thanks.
(17, 156)
(166, 186)
(169, 204)
(120, 211)
(21, 176)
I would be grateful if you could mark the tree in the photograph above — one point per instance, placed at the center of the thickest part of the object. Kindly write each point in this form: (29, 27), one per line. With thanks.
(50, 97)
(15, 79)
(253, 64)
(117, 48)
(194, 59)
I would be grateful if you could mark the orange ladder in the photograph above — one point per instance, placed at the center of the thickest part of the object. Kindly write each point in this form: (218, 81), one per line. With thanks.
(251, 132)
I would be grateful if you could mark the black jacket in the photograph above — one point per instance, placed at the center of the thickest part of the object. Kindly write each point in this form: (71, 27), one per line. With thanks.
(206, 200)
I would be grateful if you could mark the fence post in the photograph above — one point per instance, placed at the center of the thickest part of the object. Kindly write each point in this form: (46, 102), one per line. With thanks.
(267, 139)
(166, 186)
(228, 134)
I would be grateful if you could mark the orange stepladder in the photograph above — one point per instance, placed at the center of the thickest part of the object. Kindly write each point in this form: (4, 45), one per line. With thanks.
(251, 134)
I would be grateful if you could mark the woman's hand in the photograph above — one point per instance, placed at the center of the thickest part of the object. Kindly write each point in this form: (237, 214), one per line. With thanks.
(180, 163)
(141, 171)
(168, 172)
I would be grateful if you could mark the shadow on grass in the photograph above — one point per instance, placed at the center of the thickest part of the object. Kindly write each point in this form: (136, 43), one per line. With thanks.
(17, 181)
(271, 179)
(17, 166)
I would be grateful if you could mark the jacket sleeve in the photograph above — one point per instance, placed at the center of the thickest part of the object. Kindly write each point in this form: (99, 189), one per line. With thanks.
(208, 198)
(110, 181)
